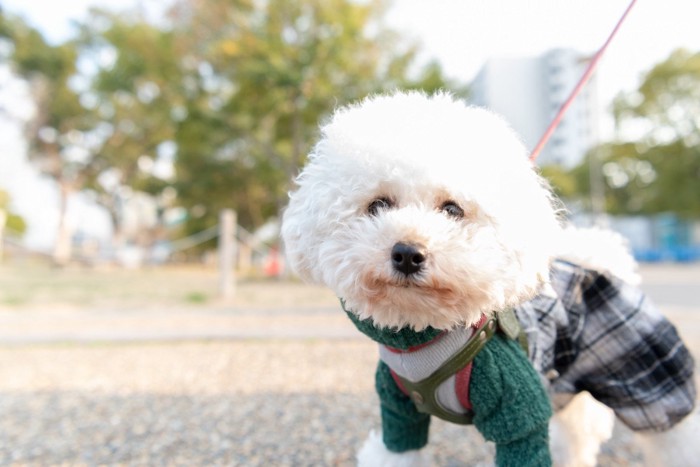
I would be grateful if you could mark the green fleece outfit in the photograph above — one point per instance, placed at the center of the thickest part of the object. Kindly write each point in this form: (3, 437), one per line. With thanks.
(510, 405)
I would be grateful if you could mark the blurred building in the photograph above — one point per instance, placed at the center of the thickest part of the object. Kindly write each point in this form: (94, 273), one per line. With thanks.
(528, 92)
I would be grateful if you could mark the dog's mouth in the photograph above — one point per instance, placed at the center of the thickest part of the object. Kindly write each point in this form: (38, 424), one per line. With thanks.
(420, 283)
(418, 301)
(403, 282)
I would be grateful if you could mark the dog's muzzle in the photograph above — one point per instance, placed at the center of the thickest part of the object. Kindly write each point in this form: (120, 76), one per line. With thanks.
(407, 259)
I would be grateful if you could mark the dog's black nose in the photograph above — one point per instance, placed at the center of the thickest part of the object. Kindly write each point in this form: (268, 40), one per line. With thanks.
(407, 259)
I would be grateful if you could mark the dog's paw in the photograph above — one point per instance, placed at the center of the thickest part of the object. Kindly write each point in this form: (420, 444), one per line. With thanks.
(374, 454)
(577, 431)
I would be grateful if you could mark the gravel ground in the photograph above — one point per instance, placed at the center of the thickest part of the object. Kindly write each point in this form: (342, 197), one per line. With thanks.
(248, 403)
(93, 372)
(252, 403)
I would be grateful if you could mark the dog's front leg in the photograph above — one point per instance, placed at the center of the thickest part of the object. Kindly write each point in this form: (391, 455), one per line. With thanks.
(577, 431)
(404, 429)
(375, 454)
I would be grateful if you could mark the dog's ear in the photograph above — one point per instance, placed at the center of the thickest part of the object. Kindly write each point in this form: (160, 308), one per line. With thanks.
(307, 220)
(328, 190)
(298, 227)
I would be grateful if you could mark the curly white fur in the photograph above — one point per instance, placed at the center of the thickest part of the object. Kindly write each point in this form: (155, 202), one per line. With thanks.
(374, 454)
(420, 152)
(577, 431)
(599, 249)
(416, 153)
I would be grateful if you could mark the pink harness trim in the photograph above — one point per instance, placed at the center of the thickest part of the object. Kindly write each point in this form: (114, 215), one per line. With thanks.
(416, 347)
(462, 379)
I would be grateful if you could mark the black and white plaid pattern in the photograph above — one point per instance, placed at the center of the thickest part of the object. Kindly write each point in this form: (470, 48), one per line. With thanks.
(595, 333)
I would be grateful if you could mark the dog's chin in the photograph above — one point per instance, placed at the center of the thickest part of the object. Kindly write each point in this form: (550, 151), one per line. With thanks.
(398, 302)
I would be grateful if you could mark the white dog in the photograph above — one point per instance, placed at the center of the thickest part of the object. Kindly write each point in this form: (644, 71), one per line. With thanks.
(426, 218)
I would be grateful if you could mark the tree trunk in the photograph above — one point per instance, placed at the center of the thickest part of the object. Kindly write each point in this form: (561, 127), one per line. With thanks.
(3, 220)
(62, 246)
(115, 211)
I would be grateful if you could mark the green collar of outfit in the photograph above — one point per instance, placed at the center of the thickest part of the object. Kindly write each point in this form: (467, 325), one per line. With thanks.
(403, 338)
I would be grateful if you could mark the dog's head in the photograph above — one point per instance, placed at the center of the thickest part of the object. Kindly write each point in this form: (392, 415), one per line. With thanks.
(420, 211)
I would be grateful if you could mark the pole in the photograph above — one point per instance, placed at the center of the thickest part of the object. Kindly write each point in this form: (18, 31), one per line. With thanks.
(3, 219)
(227, 253)
(597, 188)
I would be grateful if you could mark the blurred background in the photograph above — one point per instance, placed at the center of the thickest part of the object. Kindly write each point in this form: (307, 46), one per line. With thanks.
(128, 127)
(146, 149)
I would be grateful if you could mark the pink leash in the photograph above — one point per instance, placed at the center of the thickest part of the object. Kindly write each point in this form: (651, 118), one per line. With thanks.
(582, 82)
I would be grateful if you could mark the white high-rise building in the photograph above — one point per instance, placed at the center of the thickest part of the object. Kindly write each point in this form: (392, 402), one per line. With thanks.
(528, 92)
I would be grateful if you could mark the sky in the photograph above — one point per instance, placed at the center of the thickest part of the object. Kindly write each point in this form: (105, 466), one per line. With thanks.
(461, 34)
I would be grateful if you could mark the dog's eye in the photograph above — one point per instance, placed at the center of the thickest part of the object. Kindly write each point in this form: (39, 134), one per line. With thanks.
(379, 204)
(451, 209)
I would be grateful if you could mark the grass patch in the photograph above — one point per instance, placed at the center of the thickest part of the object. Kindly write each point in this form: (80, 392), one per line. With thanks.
(13, 300)
(196, 297)
(36, 285)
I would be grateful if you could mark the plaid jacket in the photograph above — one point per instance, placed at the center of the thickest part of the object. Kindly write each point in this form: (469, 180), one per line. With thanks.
(595, 333)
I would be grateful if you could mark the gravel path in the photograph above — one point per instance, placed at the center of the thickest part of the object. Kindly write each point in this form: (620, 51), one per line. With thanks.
(248, 403)
(265, 384)
(252, 403)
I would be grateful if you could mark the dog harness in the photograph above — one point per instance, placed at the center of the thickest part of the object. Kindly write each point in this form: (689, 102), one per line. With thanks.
(439, 386)
(508, 403)
(455, 372)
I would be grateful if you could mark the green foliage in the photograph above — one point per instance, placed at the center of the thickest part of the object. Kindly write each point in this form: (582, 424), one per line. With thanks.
(13, 223)
(639, 179)
(659, 171)
(197, 298)
(269, 73)
(49, 67)
(230, 91)
(134, 88)
(57, 134)
(563, 182)
(432, 79)
(31, 54)
(667, 103)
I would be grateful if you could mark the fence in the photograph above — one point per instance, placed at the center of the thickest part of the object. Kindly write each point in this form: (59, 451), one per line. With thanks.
(237, 249)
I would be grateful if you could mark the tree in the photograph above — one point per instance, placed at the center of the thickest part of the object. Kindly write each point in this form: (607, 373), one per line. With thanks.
(14, 223)
(563, 183)
(103, 110)
(59, 134)
(667, 104)
(646, 180)
(229, 92)
(270, 72)
(8, 220)
(658, 168)
(135, 87)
